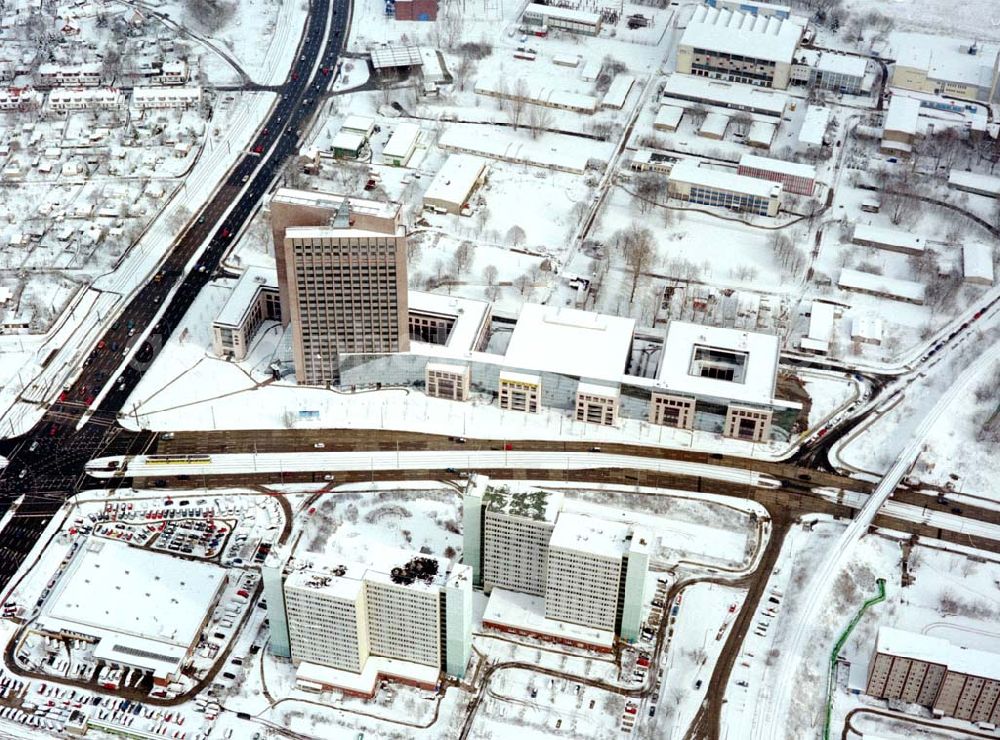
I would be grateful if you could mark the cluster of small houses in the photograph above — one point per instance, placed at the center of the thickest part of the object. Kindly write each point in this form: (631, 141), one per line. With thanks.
(63, 88)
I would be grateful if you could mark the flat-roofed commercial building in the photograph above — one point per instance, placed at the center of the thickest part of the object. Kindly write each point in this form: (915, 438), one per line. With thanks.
(794, 177)
(694, 184)
(900, 128)
(108, 596)
(455, 182)
(740, 47)
(952, 681)
(254, 300)
(597, 404)
(732, 95)
(520, 392)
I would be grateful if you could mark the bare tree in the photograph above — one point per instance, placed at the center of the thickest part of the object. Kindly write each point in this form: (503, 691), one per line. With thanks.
(539, 120)
(639, 249)
(490, 274)
(515, 100)
(523, 284)
(462, 258)
(515, 235)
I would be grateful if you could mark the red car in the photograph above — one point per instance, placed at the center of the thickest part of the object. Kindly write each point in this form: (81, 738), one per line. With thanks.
(64, 395)
(100, 344)
(90, 400)
(325, 70)
(370, 185)
(226, 233)
(295, 75)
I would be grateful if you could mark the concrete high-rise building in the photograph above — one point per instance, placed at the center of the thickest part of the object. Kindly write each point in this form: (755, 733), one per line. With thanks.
(342, 279)
(404, 615)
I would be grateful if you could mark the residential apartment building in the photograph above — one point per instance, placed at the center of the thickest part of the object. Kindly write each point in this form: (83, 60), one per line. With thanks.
(342, 622)
(577, 569)
(597, 404)
(166, 97)
(520, 392)
(740, 47)
(952, 681)
(794, 177)
(74, 75)
(70, 99)
(694, 184)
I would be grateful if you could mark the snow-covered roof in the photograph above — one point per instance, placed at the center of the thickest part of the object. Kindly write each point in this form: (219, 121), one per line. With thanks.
(244, 293)
(365, 681)
(866, 327)
(332, 201)
(316, 571)
(595, 389)
(725, 94)
(456, 179)
(943, 57)
(558, 153)
(395, 55)
(850, 65)
(527, 612)
(958, 659)
(715, 124)
(761, 132)
(688, 171)
(780, 166)
(902, 115)
(361, 124)
(112, 589)
(880, 284)
(892, 238)
(336, 581)
(974, 181)
(618, 91)
(543, 95)
(516, 377)
(814, 124)
(570, 341)
(977, 261)
(821, 316)
(348, 140)
(759, 369)
(590, 535)
(669, 115)
(402, 140)
(470, 315)
(145, 94)
(744, 34)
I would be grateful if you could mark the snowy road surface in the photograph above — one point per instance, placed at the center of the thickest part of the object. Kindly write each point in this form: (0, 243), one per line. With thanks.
(308, 462)
(771, 721)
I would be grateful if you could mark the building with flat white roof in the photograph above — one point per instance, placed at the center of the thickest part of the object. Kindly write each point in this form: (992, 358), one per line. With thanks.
(974, 182)
(567, 340)
(942, 65)
(821, 317)
(952, 681)
(741, 47)
(881, 286)
(725, 95)
(254, 300)
(830, 70)
(900, 127)
(454, 184)
(794, 177)
(977, 263)
(70, 99)
(754, 8)
(401, 145)
(668, 117)
(705, 186)
(144, 610)
(892, 240)
(396, 605)
(814, 125)
(866, 329)
(618, 92)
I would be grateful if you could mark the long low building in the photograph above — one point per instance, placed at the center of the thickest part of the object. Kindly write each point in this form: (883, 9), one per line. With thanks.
(694, 184)
(974, 182)
(892, 240)
(254, 300)
(794, 177)
(725, 95)
(519, 89)
(952, 681)
(881, 286)
(70, 99)
(942, 65)
(166, 97)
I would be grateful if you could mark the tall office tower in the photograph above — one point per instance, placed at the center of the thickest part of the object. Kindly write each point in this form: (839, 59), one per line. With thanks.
(342, 283)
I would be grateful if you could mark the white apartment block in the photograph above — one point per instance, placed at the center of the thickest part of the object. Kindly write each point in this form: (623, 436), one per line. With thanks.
(584, 571)
(403, 607)
(517, 528)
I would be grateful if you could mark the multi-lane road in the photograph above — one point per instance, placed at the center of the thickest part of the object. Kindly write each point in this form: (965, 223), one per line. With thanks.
(46, 465)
